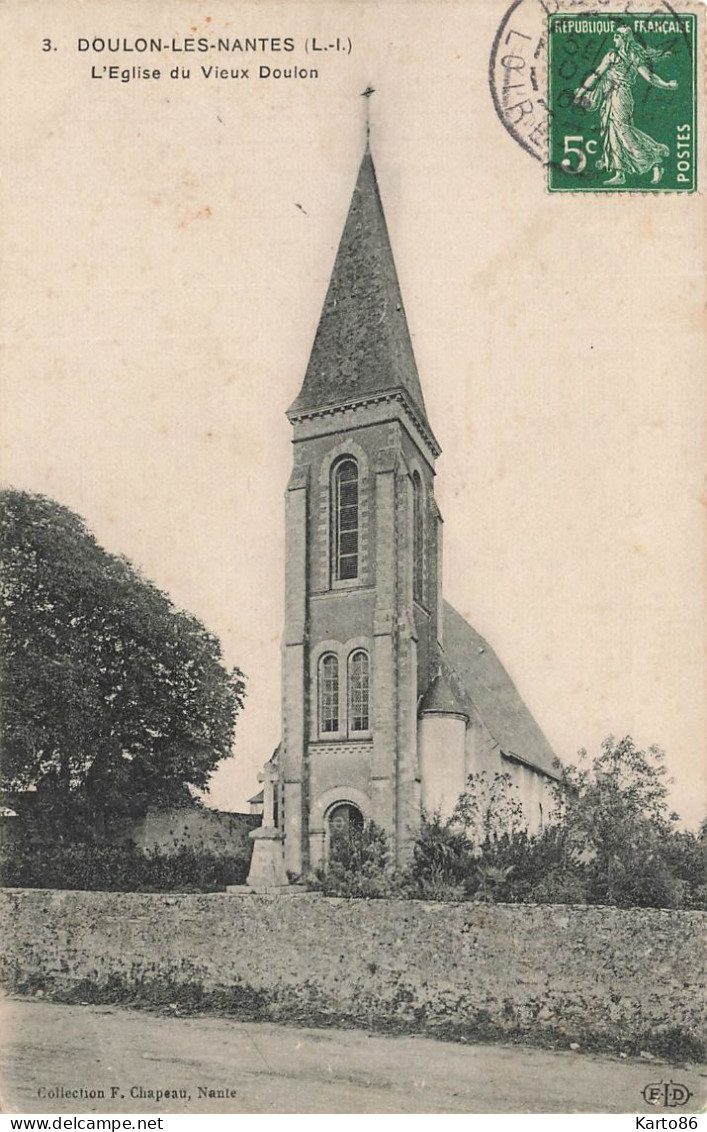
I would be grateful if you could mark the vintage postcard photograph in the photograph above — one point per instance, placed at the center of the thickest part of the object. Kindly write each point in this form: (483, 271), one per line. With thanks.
(354, 672)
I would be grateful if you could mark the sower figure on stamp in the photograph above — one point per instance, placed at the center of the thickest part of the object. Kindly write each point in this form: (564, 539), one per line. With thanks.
(626, 149)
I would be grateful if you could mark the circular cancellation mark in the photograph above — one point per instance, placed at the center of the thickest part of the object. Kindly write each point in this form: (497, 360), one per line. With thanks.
(518, 66)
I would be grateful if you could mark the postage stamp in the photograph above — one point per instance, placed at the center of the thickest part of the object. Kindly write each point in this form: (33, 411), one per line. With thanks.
(622, 102)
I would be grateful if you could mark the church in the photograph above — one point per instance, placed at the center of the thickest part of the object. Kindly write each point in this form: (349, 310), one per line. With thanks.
(390, 699)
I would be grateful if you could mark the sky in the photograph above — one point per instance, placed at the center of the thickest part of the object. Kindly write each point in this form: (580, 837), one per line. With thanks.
(168, 246)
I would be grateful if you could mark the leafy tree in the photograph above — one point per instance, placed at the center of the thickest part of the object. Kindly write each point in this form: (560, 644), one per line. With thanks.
(113, 700)
(614, 817)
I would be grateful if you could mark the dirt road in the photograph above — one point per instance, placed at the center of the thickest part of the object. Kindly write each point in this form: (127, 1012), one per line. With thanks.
(218, 1065)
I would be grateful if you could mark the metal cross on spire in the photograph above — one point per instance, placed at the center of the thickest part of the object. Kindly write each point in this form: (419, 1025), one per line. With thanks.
(367, 95)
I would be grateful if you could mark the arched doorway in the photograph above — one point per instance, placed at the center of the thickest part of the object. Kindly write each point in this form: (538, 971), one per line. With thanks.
(344, 820)
(344, 824)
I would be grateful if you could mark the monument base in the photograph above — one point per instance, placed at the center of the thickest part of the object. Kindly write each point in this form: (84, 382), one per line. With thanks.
(267, 866)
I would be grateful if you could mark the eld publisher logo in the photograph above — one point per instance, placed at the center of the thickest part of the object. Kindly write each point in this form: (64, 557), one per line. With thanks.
(671, 1094)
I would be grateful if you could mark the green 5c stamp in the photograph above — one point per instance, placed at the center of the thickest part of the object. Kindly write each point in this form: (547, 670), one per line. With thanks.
(622, 93)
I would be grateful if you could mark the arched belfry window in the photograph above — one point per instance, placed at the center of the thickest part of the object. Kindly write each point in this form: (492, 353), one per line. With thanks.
(418, 539)
(328, 694)
(345, 520)
(358, 691)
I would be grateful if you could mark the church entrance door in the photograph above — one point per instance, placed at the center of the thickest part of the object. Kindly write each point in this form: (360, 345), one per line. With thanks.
(345, 821)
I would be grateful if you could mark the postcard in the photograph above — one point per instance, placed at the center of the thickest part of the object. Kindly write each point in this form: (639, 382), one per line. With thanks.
(353, 392)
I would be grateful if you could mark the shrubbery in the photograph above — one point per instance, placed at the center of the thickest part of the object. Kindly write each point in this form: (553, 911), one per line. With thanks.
(516, 869)
(119, 868)
(612, 841)
(359, 865)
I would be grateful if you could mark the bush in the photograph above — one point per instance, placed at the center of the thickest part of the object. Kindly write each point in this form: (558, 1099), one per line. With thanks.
(119, 868)
(441, 863)
(685, 853)
(359, 865)
(542, 869)
(612, 841)
(489, 808)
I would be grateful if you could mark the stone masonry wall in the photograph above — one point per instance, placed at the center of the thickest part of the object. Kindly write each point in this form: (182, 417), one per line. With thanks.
(201, 829)
(601, 976)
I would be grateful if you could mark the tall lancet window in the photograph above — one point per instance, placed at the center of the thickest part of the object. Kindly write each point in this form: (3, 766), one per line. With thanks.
(328, 694)
(345, 520)
(418, 540)
(358, 691)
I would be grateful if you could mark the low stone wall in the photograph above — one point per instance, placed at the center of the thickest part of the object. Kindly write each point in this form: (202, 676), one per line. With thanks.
(206, 831)
(604, 977)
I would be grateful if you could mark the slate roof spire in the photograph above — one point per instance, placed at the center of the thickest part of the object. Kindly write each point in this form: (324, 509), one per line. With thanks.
(362, 345)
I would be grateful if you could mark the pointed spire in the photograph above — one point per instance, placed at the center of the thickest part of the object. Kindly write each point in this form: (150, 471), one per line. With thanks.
(362, 345)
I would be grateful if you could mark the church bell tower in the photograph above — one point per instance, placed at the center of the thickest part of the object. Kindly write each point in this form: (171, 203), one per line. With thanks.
(363, 559)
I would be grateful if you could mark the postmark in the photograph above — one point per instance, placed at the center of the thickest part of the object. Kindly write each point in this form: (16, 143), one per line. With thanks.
(518, 75)
(543, 61)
